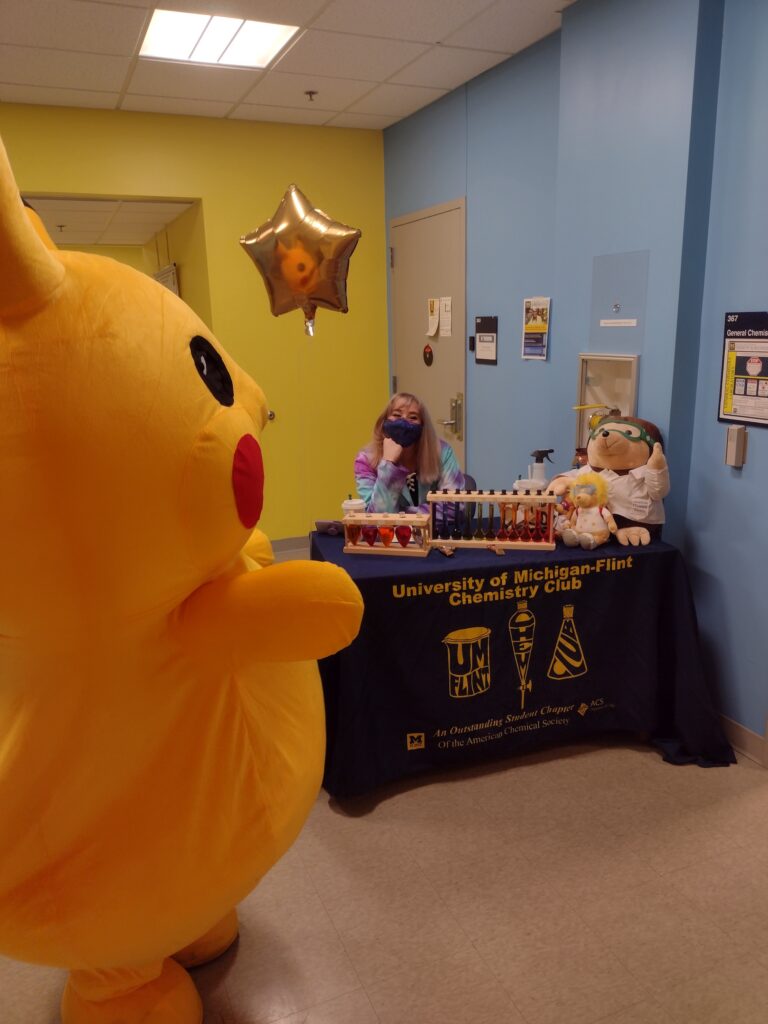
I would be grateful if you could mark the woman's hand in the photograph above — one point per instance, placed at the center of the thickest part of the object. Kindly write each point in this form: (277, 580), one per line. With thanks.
(391, 450)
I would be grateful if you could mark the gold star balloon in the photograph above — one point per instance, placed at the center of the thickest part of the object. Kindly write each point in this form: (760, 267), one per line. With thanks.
(303, 257)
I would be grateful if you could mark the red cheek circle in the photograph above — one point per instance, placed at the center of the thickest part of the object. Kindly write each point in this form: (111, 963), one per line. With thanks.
(248, 480)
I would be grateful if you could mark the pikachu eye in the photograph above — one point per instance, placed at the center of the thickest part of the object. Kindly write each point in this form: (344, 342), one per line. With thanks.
(213, 373)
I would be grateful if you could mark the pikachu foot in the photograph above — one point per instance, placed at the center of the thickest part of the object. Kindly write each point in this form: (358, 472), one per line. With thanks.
(212, 944)
(163, 994)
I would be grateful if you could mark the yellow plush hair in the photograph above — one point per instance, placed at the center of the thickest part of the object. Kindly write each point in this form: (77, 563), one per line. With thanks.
(161, 718)
(594, 480)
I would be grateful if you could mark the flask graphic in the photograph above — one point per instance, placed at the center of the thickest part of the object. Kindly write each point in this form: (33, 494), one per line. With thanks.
(522, 624)
(568, 660)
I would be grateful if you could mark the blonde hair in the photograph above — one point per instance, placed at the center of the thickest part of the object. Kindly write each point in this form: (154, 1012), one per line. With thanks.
(595, 480)
(428, 461)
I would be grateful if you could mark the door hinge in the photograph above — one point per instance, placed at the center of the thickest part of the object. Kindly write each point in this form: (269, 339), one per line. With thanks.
(391, 257)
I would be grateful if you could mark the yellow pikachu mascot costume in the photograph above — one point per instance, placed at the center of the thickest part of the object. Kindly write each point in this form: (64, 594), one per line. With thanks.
(161, 724)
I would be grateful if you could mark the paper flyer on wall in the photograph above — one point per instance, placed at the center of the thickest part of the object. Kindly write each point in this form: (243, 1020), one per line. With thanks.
(535, 327)
(744, 378)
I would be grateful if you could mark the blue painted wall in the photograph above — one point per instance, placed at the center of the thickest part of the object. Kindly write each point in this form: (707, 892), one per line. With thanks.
(726, 540)
(511, 175)
(626, 100)
(636, 132)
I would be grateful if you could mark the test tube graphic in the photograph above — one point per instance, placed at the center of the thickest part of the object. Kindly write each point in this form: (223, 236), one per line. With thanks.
(568, 660)
(522, 624)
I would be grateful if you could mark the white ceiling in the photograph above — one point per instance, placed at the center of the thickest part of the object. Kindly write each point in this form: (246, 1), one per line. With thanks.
(370, 62)
(72, 221)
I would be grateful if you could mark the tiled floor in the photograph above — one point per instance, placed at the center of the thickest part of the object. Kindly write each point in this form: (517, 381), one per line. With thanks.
(582, 885)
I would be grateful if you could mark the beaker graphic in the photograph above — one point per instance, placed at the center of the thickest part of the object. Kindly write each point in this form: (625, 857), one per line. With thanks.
(522, 624)
(469, 661)
(568, 660)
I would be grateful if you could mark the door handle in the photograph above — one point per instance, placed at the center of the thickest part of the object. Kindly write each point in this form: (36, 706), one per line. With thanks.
(456, 422)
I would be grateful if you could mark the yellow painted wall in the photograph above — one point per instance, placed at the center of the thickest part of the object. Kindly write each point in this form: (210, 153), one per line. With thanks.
(327, 390)
(183, 243)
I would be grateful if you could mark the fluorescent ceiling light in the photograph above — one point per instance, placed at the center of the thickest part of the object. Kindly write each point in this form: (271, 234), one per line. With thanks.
(205, 39)
(216, 38)
(256, 43)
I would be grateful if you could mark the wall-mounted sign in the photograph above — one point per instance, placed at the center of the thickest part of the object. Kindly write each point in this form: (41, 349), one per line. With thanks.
(744, 378)
(535, 327)
(486, 333)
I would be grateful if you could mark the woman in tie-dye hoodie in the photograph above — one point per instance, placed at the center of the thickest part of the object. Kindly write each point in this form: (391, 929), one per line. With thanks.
(404, 460)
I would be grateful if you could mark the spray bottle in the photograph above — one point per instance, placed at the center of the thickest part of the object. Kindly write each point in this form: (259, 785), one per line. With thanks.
(537, 473)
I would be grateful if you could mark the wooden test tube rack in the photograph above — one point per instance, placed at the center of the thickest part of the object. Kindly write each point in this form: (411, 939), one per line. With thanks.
(380, 533)
(534, 532)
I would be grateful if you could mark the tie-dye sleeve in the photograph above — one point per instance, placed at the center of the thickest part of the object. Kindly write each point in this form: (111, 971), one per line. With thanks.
(451, 477)
(380, 488)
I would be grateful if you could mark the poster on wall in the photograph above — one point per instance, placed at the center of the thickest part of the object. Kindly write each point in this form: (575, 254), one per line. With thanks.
(744, 378)
(535, 327)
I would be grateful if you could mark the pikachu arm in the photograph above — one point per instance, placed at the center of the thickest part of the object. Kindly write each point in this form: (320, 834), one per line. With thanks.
(258, 547)
(294, 611)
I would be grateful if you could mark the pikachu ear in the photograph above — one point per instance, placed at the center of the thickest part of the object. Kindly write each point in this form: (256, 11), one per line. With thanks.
(29, 272)
(281, 250)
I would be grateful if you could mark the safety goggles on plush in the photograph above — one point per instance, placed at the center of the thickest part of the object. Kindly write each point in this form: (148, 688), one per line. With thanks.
(631, 431)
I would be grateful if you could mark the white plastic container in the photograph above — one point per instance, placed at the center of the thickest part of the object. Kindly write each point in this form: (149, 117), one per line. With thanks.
(352, 505)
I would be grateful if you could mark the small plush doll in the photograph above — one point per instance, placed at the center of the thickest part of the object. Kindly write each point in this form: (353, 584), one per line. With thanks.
(162, 728)
(628, 454)
(589, 523)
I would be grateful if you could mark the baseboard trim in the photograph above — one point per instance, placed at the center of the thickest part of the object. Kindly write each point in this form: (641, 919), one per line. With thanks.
(290, 543)
(749, 743)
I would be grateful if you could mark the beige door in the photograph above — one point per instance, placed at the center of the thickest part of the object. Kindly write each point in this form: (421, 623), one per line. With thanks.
(428, 262)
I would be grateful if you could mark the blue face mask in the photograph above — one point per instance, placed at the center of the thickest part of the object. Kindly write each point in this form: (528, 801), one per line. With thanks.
(402, 432)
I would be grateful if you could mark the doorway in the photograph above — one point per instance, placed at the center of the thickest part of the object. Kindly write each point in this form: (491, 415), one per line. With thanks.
(428, 262)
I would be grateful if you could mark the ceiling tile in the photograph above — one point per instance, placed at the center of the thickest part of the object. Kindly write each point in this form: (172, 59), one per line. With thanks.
(288, 115)
(189, 81)
(426, 21)
(105, 221)
(283, 90)
(446, 67)
(128, 234)
(72, 25)
(349, 120)
(509, 25)
(176, 105)
(73, 236)
(399, 100)
(360, 57)
(141, 211)
(130, 3)
(58, 97)
(54, 205)
(283, 12)
(22, 65)
(82, 53)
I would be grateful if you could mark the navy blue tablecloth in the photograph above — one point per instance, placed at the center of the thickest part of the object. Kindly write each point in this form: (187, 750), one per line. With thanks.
(482, 655)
